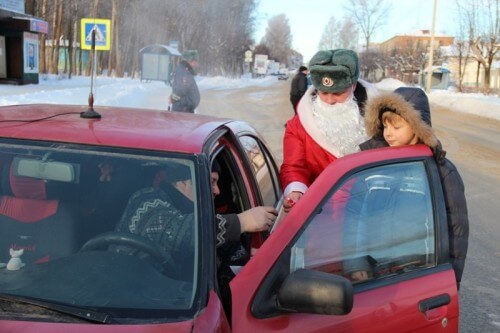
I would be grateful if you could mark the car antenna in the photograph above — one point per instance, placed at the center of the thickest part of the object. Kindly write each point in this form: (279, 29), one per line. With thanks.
(91, 113)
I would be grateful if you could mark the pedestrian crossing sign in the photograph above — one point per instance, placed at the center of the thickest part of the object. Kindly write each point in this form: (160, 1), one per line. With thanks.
(102, 29)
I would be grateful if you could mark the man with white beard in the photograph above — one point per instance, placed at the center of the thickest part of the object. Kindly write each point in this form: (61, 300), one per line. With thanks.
(329, 122)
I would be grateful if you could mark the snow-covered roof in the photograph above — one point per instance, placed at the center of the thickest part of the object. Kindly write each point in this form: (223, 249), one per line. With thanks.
(169, 49)
(422, 33)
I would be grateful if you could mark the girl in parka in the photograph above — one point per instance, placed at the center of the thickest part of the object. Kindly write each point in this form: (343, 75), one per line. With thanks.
(403, 118)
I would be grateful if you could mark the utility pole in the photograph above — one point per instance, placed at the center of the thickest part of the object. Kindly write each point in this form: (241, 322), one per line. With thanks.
(431, 52)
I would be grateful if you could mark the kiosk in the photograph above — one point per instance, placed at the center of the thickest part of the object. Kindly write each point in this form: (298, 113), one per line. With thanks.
(19, 44)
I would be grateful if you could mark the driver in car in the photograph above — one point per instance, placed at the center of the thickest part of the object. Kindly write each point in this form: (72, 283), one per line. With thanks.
(165, 215)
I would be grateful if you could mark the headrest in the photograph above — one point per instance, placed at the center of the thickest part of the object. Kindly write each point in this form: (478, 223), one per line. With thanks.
(27, 187)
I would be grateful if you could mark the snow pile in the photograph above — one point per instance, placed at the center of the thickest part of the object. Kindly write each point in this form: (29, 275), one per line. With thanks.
(134, 93)
(479, 104)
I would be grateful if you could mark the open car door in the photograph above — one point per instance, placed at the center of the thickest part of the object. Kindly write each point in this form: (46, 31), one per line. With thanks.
(365, 249)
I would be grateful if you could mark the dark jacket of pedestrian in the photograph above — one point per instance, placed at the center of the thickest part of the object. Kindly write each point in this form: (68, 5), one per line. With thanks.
(298, 87)
(185, 94)
(413, 106)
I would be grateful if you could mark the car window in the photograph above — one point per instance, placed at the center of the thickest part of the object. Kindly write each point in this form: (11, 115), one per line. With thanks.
(378, 221)
(263, 171)
(232, 197)
(57, 201)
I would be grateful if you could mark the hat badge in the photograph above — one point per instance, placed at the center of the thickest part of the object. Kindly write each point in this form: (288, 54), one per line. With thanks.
(327, 82)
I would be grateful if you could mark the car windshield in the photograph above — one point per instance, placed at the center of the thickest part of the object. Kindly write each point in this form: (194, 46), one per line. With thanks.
(98, 228)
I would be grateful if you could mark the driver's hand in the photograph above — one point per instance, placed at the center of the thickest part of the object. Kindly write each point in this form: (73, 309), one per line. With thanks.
(291, 200)
(258, 219)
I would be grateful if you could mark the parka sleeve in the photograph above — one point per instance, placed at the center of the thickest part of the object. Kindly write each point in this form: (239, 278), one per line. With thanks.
(457, 216)
(228, 234)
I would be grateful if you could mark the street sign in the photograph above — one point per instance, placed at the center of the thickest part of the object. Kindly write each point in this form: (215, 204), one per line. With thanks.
(102, 34)
(248, 56)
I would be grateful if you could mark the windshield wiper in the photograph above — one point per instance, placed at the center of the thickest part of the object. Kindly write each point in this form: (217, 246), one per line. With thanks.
(80, 313)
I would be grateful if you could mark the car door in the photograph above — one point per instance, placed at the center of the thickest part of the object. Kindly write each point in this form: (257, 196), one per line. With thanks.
(380, 212)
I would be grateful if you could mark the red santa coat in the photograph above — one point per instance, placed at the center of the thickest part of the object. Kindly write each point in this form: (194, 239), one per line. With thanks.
(306, 150)
(304, 159)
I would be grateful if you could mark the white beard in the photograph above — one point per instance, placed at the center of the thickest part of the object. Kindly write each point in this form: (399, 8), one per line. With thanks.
(341, 124)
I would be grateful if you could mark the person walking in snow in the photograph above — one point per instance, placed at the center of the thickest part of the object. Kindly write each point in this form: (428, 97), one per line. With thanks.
(185, 95)
(298, 87)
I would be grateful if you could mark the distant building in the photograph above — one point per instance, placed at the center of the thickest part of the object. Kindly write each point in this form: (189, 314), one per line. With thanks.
(469, 67)
(408, 54)
(418, 40)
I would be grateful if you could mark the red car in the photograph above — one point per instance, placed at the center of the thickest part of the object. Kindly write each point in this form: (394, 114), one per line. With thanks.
(66, 183)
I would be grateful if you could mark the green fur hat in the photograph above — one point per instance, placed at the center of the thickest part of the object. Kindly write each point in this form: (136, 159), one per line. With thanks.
(334, 70)
(189, 55)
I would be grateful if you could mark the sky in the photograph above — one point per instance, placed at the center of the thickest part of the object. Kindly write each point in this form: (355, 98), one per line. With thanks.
(308, 18)
(152, 95)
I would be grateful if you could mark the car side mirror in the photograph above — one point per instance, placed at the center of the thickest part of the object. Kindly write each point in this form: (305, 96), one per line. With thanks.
(308, 291)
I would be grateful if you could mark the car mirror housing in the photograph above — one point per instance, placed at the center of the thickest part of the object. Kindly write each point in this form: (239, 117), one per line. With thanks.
(308, 291)
(46, 170)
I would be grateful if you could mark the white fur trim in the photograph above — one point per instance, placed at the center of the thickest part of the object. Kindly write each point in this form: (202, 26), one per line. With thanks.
(308, 121)
(305, 113)
(371, 90)
(295, 187)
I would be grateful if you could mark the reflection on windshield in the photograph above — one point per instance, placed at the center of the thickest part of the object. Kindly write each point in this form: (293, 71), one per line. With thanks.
(103, 230)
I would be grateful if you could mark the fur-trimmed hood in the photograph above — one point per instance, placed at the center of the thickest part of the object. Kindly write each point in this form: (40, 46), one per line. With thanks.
(411, 104)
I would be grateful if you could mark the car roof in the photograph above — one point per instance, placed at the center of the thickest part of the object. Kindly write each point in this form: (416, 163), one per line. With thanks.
(118, 126)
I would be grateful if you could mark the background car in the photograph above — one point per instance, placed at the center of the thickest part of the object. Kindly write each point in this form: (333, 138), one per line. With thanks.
(67, 181)
(282, 76)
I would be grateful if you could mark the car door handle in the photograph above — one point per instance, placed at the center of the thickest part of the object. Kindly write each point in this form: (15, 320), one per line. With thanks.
(434, 302)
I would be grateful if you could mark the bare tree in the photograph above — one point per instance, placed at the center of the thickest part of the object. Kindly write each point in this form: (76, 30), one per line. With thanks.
(348, 35)
(409, 59)
(278, 38)
(483, 23)
(370, 15)
(461, 46)
(330, 36)
(219, 30)
(39, 9)
(339, 35)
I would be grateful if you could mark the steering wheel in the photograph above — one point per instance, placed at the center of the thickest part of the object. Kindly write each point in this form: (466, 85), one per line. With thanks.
(136, 242)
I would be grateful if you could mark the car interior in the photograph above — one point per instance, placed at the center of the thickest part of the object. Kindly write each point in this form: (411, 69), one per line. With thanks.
(55, 199)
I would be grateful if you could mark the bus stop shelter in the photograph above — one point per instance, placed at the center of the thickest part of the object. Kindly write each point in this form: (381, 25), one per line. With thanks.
(19, 44)
(156, 62)
(440, 78)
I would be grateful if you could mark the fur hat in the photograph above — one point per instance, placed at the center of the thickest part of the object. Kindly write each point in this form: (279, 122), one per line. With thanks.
(189, 55)
(411, 104)
(334, 70)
